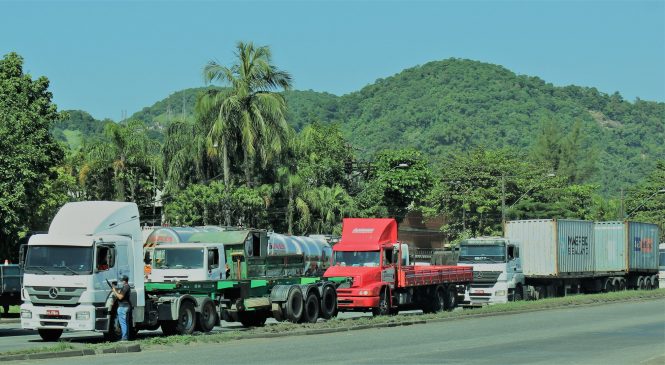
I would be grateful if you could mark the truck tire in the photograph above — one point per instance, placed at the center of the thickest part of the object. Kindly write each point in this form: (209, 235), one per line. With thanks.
(647, 283)
(439, 300)
(186, 318)
(294, 305)
(252, 318)
(450, 298)
(207, 319)
(311, 309)
(639, 284)
(384, 307)
(518, 294)
(49, 335)
(328, 302)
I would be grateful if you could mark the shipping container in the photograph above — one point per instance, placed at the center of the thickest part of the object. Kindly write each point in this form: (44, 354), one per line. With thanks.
(610, 249)
(643, 240)
(554, 248)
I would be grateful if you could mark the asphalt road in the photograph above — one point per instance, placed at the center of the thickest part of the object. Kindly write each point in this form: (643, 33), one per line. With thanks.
(620, 333)
(13, 338)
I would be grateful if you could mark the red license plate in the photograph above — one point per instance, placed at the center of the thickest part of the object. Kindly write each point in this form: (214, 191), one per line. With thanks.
(52, 312)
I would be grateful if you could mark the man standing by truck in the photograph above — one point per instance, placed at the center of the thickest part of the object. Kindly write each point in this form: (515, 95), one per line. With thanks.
(124, 306)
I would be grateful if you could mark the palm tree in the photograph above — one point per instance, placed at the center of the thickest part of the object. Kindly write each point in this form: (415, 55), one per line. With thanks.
(187, 156)
(331, 205)
(294, 187)
(250, 111)
(127, 153)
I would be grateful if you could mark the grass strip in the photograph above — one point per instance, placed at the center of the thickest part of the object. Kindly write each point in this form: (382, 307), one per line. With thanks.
(58, 347)
(285, 328)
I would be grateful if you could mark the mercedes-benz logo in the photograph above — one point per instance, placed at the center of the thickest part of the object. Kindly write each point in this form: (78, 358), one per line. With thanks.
(53, 293)
(479, 275)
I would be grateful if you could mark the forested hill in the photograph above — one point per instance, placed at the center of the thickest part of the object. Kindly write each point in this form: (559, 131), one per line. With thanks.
(457, 105)
(460, 104)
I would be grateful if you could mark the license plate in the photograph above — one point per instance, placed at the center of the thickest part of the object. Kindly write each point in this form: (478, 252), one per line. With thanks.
(479, 291)
(52, 312)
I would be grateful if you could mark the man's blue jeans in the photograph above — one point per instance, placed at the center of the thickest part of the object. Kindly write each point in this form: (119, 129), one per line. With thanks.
(122, 319)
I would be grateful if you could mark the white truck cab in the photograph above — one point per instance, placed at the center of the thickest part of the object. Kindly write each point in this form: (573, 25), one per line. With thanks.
(66, 270)
(186, 262)
(497, 270)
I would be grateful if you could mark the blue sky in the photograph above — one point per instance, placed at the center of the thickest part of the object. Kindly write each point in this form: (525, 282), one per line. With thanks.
(105, 57)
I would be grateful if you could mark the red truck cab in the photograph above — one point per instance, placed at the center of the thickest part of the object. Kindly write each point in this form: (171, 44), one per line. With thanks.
(382, 279)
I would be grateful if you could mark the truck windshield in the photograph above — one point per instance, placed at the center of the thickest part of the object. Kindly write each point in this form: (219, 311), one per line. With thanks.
(178, 258)
(475, 253)
(357, 258)
(67, 260)
(662, 259)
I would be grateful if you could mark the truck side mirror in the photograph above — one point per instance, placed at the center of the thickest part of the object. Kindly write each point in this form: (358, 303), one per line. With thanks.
(21, 255)
(511, 253)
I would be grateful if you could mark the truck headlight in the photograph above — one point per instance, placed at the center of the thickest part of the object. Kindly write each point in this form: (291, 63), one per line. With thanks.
(500, 293)
(26, 314)
(82, 316)
(364, 292)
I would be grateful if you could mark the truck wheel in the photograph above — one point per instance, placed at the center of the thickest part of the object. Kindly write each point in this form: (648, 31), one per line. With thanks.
(647, 284)
(252, 318)
(383, 308)
(439, 303)
(186, 318)
(518, 295)
(49, 335)
(207, 319)
(450, 298)
(328, 302)
(311, 309)
(294, 305)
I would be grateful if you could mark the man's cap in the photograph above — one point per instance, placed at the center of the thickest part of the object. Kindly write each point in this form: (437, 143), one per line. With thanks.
(124, 278)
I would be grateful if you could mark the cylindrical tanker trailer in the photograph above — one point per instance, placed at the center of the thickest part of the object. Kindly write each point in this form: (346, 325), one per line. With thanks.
(316, 251)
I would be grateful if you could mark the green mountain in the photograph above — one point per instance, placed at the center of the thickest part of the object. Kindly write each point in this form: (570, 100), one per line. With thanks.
(77, 127)
(457, 105)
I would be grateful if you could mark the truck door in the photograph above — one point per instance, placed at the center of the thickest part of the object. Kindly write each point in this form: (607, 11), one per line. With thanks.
(215, 270)
(387, 266)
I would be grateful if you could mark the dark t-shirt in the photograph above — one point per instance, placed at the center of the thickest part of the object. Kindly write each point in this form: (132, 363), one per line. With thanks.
(125, 291)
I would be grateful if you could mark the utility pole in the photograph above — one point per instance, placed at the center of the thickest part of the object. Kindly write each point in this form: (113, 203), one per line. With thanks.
(503, 198)
(623, 209)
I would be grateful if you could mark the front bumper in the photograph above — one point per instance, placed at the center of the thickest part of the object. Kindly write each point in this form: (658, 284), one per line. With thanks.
(357, 303)
(55, 317)
(478, 296)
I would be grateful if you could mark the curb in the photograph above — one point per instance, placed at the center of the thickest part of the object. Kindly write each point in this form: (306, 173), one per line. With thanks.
(317, 331)
(435, 320)
(72, 353)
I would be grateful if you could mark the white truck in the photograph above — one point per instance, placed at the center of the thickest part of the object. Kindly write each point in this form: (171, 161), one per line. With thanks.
(497, 270)
(547, 257)
(186, 262)
(66, 270)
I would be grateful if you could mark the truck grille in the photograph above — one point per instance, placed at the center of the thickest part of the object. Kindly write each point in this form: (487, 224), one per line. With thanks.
(54, 295)
(486, 276)
(46, 316)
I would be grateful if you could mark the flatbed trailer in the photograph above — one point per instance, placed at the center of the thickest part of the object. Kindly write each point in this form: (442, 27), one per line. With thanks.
(257, 286)
(381, 278)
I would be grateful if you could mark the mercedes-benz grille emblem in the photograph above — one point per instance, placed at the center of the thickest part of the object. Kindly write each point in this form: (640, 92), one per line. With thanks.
(479, 275)
(53, 293)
